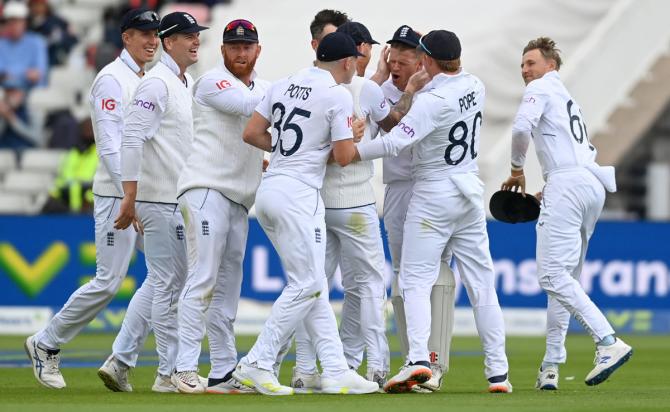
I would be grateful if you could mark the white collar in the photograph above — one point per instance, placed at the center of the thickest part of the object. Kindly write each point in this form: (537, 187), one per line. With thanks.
(128, 60)
(167, 60)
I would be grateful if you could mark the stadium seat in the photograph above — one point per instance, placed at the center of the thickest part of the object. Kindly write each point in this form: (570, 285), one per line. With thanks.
(15, 204)
(42, 160)
(27, 183)
(7, 161)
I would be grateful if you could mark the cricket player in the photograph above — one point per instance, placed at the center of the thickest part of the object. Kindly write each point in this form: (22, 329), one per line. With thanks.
(401, 60)
(354, 242)
(572, 199)
(110, 96)
(216, 190)
(310, 114)
(158, 135)
(446, 208)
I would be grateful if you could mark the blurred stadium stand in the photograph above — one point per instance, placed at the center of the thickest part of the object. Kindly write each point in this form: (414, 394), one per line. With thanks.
(617, 65)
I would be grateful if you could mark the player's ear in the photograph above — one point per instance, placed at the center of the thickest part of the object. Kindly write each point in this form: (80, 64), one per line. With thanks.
(315, 44)
(258, 50)
(221, 49)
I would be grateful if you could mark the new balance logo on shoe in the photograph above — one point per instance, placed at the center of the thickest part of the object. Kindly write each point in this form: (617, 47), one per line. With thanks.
(551, 376)
(605, 359)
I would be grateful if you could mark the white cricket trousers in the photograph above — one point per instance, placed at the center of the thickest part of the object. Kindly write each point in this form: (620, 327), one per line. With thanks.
(571, 204)
(216, 238)
(165, 255)
(354, 242)
(449, 213)
(292, 215)
(113, 250)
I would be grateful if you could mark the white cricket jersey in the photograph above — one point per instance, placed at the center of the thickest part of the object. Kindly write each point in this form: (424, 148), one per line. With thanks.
(160, 121)
(350, 186)
(443, 127)
(219, 158)
(110, 96)
(307, 112)
(397, 168)
(554, 120)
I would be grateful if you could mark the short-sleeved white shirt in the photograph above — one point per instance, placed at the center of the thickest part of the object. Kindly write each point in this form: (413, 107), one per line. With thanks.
(307, 112)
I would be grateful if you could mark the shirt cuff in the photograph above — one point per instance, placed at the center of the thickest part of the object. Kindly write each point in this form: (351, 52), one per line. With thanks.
(131, 161)
(373, 149)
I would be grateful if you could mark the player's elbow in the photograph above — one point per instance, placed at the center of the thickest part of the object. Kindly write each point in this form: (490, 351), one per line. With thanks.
(344, 152)
(248, 136)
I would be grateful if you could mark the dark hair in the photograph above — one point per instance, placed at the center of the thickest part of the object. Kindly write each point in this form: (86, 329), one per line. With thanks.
(547, 47)
(324, 17)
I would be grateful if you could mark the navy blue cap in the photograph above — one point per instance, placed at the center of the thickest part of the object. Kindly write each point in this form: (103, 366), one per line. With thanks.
(358, 32)
(441, 45)
(178, 22)
(140, 19)
(240, 30)
(405, 35)
(336, 46)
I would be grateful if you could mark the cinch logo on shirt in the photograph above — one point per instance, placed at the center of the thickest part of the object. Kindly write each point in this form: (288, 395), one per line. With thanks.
(409, 131)
(530, 100)
(108, 104)
(145, 105)
(223, 84)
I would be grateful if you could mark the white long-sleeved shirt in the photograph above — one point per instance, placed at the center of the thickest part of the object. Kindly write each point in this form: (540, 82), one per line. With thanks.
(109, 99)
(554, 120)
(442, 127)
(219, 158)
(158, 132)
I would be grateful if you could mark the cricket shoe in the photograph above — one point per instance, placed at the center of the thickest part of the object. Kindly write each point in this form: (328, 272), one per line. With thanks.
(227, 386)
(499, 384)
(547, 379)
(305, 382)
(163, 384)
(377, 376)
(45, 364)
(187, 382)
(433, 384)
(348, 383)
(262, 381)
(608, 359)
(114, 374)
(409, 376)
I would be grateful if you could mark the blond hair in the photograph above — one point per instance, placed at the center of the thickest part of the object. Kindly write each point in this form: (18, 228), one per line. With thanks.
(547, 47)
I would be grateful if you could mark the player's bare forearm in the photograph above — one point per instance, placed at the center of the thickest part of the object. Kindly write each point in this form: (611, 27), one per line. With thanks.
(256, 133)
(262, 141)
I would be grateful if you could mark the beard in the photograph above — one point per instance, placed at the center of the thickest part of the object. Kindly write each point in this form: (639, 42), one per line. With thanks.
(238, 69)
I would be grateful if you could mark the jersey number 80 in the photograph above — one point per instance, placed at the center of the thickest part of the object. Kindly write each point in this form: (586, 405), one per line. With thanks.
(460, 142)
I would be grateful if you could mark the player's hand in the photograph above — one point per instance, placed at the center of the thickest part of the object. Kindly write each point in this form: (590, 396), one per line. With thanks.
(418, 80)
(514, 183)
(127, 216)
(383, 63)
(358, 128)
(538, 196)
(266, 163)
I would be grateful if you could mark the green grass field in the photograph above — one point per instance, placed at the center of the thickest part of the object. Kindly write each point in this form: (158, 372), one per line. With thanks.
(641, 385)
